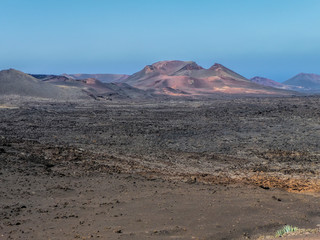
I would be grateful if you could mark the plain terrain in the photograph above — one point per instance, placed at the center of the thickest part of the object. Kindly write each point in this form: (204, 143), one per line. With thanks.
(220, 169)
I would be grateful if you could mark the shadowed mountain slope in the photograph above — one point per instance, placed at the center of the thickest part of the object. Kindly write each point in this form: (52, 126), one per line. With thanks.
(18, 83)
(98, 89)
(13, 82)
(268, 82)
(101, 77)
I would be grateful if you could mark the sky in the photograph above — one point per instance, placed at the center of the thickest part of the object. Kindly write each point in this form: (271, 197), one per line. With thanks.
(271, 38)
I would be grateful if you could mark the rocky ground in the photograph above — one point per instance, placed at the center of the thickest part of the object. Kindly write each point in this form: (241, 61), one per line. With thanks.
(219, 169)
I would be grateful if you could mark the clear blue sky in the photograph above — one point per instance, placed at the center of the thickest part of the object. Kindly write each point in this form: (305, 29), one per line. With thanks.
(271, 38)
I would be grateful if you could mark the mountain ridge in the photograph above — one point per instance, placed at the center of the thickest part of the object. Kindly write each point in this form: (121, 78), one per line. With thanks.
(105, 77)
(14, 82)
(187, 78)
(309, 81)
(163, 78)
(268, 82)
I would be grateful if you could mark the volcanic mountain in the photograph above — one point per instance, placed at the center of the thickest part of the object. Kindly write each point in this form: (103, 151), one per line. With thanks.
(13, 82)
(44, 77)
(97, 89)
(268, 82)
(186, 78)
(106, 78)
(307, 81)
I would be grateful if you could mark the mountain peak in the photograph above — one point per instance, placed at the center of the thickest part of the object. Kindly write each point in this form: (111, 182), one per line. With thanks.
(168, 67)
(12, 71)
(223, 71)
(308, 81)
(217, 67)
(308, 75)
(19, 83)
(192, 66)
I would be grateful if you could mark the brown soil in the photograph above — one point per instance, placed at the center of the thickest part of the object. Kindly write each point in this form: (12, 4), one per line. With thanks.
(223, 169)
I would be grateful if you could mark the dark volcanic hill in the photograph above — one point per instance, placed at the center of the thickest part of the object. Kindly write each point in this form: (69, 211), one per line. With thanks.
(101, 77)
(98, 89)
(43, 77)
(13, 82)
(186, 78)
(305, 80)
(117, 90)
(268, 82)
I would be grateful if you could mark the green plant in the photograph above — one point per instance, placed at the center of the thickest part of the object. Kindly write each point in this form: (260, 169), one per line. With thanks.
(286, 229)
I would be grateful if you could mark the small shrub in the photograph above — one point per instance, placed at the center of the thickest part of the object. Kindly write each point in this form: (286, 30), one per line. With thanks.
(286, 229)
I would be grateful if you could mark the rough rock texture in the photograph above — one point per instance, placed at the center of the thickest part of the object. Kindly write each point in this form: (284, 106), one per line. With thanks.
(220, 169)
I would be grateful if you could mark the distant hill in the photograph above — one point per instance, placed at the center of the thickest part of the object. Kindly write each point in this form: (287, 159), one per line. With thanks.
(267, 82)
(308, 81)
(123, 90)
(43, 76)
(290, 87)
(107, 78)
(22, 84)
(160, 79)
(13, 82)
(97, 89)
(186, 78)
